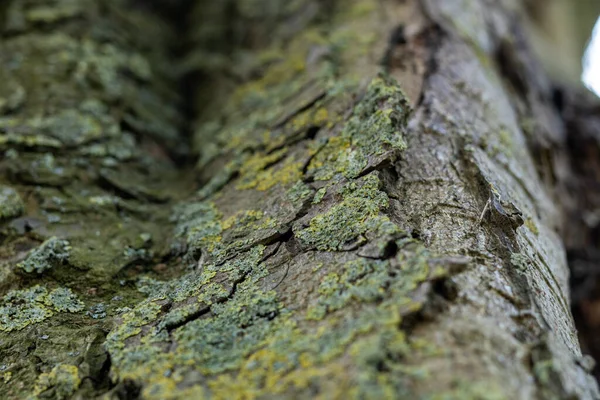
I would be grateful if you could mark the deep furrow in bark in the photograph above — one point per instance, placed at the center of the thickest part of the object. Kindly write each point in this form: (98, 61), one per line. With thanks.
(95, 140)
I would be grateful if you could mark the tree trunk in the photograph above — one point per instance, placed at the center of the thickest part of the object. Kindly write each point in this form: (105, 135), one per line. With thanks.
(301, 199)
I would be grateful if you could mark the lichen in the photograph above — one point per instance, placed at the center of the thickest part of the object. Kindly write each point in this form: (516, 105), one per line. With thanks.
(64, 380)
(288, 172)
(11, 204)
(299, 193)
(267, 346)
(362, 280)
(520, 261)
(319, 195)
(64, 300)
(213, 322)
(374, 130)
(50, 254)
(358, 214)
(208, 233)
(530, 224)
(20, 308)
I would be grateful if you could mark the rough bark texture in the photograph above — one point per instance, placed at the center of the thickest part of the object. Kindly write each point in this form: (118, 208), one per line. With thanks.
(372, 213)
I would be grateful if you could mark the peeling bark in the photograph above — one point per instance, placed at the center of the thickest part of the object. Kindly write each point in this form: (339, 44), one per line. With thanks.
(372, 212)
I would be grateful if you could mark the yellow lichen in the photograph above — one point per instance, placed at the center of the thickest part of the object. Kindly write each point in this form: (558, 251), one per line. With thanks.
(64, 378)
(532, 226)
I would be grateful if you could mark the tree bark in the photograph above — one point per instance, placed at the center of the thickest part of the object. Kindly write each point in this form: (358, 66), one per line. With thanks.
(319, 199)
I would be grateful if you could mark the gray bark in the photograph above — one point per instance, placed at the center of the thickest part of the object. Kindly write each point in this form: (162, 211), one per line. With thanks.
(371, 211)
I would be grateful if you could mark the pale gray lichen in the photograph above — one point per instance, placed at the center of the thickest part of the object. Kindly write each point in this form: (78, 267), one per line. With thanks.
(11, 204)
(20, 308)
(53, 252)
(520, 262)
(64, 300)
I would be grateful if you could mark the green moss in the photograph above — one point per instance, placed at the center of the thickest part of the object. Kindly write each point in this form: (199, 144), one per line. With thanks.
(11, 205)
(50, 254)
(357, 215)
(20, 308)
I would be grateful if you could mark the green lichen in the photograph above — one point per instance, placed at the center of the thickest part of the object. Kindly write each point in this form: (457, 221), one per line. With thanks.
(239, 324)
(12, 93)
(374, 130)
(520, 261)
(263, 178)
(299, 193)
(50, 254)
(268, 347)
(208, 233)
(198, 222)
(319, 195)
(469, 390)
(363, 329)
(62, 381)
(357, 216)
(64, 300)
(362, 280)
(530, 224)
(88, 122)
(20, 308)
(71, 127)
(11, 205)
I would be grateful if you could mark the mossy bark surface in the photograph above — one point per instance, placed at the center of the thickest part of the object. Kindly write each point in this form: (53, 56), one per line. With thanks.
(370, 212)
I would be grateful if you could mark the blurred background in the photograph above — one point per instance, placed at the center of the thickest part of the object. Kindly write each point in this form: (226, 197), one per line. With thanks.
(591, 61)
